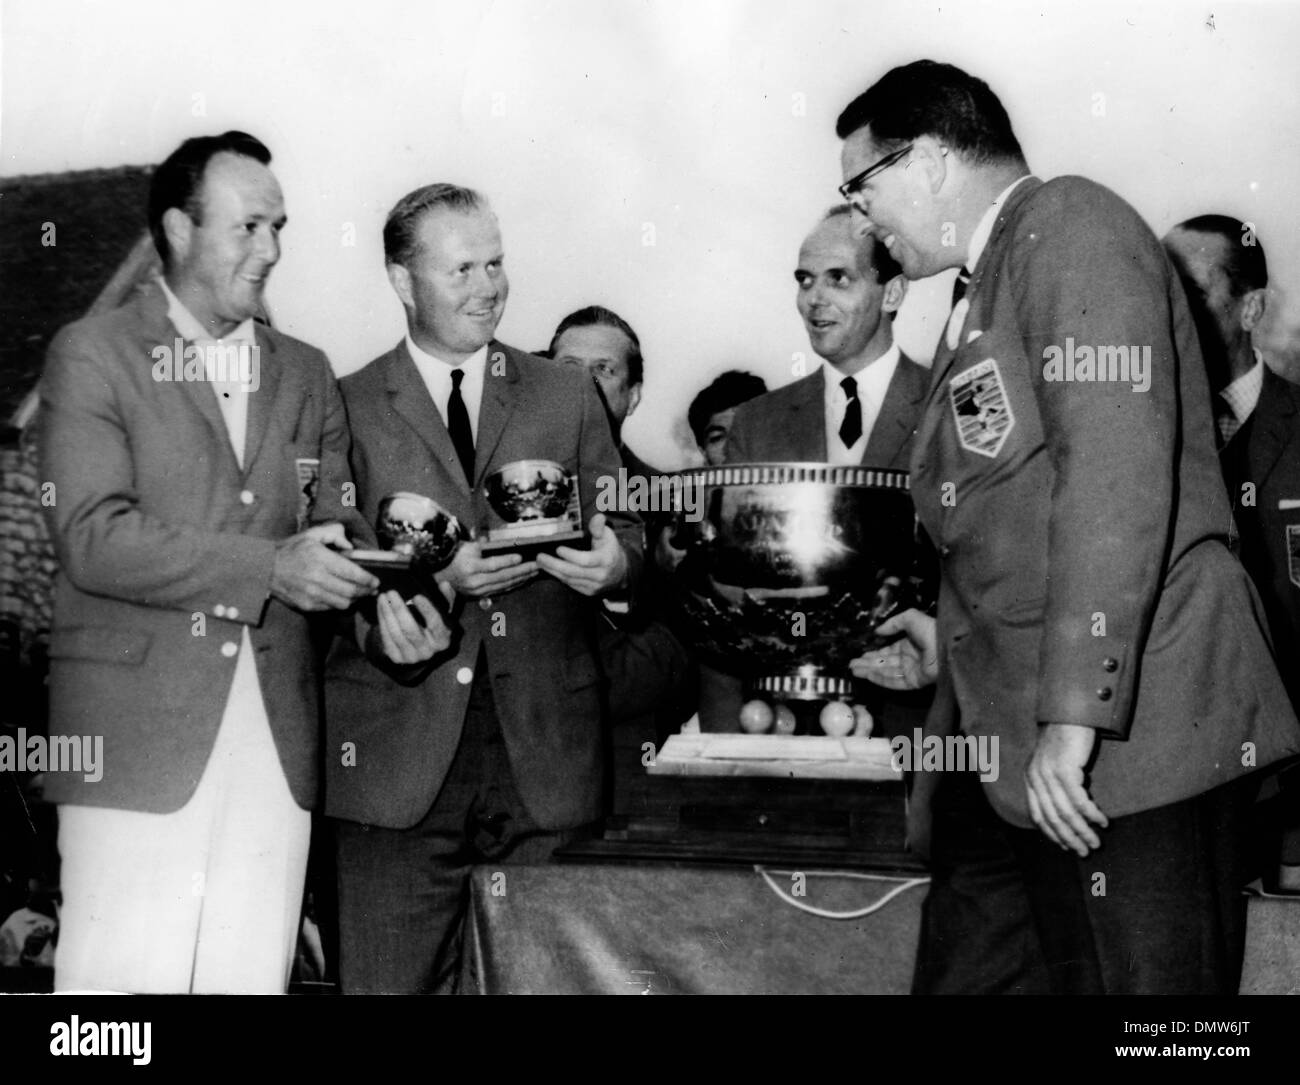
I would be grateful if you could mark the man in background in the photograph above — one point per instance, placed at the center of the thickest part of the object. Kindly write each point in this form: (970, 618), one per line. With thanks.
(651, 676)
(712, 410)
(1257, 422)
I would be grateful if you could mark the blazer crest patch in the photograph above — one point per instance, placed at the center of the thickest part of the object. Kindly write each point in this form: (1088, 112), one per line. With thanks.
(1293, 553)
(980, 408)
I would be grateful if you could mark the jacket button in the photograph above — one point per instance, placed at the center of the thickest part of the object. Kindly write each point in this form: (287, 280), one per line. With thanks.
(485, 603)
(230, 648)
(1110, 664)
(246, 496)
(945, 551)
(1104, 694)
(219, 610)
(465, 675)
(232, 613)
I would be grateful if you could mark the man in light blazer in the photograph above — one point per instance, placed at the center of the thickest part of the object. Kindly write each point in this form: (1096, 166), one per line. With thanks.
(860, 407)
(495, 751)
(188, 453)
(1090, 615)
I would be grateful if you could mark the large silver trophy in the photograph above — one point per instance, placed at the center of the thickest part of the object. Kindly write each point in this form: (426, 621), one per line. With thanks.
(790, 568)
(419, 539)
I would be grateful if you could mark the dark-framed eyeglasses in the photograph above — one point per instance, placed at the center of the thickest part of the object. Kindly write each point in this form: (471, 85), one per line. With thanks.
(852, 188)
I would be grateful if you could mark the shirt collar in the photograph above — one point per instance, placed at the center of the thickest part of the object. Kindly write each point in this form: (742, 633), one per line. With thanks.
(984, 230)
(191, 328)
(473, 367)
(871, 380)
(1243, 393)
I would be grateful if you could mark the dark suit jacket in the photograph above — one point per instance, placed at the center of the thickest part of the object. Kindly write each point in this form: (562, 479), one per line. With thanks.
(542, 661)
(161, 536)
(1265, 452)
(788, 424)
(1089, 507)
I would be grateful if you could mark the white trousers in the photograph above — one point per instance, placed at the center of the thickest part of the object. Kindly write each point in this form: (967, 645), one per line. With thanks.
(205, 900)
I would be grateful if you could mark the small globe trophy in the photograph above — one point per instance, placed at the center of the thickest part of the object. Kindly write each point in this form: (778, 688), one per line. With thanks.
(419, 538)
(533, 507)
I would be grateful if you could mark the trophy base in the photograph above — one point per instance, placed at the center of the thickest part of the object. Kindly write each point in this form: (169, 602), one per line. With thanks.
(397, 572)
(808, 683)
(529, 542)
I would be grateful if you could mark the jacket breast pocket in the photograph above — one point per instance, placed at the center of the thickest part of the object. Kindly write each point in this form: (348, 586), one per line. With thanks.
(100, 644)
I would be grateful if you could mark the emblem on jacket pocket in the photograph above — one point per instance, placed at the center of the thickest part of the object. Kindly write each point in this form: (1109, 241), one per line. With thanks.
(1293, 553)
(308, 484)
(980, 408)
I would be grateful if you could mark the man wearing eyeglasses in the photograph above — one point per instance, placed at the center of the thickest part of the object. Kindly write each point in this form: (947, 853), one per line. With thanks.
(1090, 615)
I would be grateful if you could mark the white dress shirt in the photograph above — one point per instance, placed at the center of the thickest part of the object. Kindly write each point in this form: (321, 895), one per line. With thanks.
(437, 378)
(232, 395)
(873, 381)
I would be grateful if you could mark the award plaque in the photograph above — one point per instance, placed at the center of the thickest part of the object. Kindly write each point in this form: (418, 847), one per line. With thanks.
(533, 507)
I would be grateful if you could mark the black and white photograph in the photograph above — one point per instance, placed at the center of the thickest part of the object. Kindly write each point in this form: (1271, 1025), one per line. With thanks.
(733, 497)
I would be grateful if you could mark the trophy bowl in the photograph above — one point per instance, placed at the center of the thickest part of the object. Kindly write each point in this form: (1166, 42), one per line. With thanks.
(528, 490)
(420, 528)
(789, 568)
(419, 539)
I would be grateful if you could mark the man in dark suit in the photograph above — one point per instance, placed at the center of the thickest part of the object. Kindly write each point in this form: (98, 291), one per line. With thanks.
(1090, 615)
(651, 676)
(861, 407)
(1257, 417)
(495, 751)
(189, 449)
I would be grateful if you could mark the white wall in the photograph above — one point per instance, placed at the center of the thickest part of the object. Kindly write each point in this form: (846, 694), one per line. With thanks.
(597, 126)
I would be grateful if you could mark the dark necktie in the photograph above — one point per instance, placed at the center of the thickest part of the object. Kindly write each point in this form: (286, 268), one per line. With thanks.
(851, 427)
(458, 427)
(959, 286)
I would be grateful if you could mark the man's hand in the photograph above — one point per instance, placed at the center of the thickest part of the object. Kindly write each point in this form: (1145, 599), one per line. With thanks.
(470, 573)
(910, 662)
(1058, 801)
(589, 572)
(309, 575)
(666, 555)
(401, 638)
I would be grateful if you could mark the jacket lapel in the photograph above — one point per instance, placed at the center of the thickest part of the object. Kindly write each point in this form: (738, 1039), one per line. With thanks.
(897, 416)
(500, 390)
(807, 420)
(410, 399)
(945, 355)
(261, 403)
(157, 330)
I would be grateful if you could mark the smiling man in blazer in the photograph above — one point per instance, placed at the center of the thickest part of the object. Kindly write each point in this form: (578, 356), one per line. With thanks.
(197, 463)
(495, 751)
(1090, 614)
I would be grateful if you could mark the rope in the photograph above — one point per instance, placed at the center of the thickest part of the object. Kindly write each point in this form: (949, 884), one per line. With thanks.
(907, 883)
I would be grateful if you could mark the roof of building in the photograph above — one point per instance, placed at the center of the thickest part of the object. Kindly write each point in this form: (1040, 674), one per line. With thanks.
(65, 235)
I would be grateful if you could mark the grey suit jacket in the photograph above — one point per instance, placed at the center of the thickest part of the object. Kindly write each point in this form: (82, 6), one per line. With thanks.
(539, 640)
(1081, 524)
(166, 547)
(788, 424)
